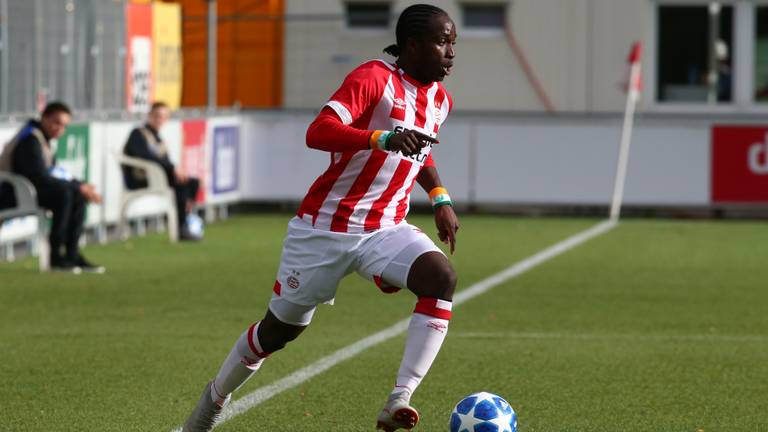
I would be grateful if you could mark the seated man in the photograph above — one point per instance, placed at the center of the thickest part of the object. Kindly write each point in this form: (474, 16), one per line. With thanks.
(145, 143)
(29, 154)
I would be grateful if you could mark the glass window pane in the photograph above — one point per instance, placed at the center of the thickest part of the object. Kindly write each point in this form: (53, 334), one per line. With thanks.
(695, 52)
(761, 55)
(484, 15)
(368, 15)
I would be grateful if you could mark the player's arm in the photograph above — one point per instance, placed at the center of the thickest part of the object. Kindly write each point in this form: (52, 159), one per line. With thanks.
(329, 133)
(336, 130)
(445, 218)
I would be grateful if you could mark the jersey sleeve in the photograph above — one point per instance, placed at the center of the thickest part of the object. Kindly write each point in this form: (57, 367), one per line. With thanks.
(328, 133)
(362, 88)
(429, 162)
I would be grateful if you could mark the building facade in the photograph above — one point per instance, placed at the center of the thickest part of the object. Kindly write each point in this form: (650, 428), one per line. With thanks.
(700, 56)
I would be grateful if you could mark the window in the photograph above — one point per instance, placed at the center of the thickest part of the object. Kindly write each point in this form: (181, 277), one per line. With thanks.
(695, 52)
(368, 15)
(761, 54)
(484, 16)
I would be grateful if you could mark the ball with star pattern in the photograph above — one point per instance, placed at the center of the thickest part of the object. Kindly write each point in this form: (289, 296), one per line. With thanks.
(483, 412)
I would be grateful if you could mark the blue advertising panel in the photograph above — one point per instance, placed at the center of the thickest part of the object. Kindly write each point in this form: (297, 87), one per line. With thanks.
(226, 148)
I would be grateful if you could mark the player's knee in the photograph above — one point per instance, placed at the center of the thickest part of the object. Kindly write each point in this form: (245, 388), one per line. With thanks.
(435, 278)
(277, 337)
(445, 282)
(279, 340)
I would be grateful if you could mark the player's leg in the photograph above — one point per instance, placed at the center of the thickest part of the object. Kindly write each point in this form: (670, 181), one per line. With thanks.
(432, 278)
(301, 284)
(421, 267)
(253, 346)
(258, 342)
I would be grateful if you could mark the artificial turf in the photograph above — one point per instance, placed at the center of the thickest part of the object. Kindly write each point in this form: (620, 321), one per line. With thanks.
(654, 326)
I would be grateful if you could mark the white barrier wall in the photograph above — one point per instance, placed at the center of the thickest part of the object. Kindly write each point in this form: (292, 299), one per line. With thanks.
(505, 159)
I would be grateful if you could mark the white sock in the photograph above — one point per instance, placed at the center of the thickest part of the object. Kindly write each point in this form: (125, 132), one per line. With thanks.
(241, 363)
(425, 337)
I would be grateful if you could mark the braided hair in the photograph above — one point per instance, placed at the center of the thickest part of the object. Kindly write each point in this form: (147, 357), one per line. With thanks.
(414, 21)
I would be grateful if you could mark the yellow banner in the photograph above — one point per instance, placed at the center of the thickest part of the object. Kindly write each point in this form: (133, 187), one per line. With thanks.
(166, 58)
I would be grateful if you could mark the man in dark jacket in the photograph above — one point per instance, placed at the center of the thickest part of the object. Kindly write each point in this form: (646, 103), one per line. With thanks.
(145, 143)
(29, 154)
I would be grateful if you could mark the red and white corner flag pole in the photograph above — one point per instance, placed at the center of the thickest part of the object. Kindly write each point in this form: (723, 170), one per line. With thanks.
(634, 85)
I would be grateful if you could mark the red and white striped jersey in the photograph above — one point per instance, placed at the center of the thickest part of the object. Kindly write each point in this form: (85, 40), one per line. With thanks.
(365, 190)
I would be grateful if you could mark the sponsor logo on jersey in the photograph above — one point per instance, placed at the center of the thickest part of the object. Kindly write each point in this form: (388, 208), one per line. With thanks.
(399, 103)
(422, 156)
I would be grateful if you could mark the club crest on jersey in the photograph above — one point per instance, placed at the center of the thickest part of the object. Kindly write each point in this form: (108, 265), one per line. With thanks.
(293, 282)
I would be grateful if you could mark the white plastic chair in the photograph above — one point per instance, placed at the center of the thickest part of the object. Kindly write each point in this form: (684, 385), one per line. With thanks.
(26, 205)
(157, 185)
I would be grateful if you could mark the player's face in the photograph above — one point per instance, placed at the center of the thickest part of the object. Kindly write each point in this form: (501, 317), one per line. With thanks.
(436, 50)
(55, 124)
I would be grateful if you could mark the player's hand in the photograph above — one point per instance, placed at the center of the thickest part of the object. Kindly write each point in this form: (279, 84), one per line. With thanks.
(89, 193)
(409, 142)
(447, 225)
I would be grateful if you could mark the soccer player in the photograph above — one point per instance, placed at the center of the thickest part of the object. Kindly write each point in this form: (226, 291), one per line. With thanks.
(379, 128)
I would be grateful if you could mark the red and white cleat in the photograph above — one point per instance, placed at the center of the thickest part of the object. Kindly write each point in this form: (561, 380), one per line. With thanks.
(397, 414)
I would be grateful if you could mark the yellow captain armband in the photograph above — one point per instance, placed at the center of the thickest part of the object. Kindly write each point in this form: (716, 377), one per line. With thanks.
(439, 197)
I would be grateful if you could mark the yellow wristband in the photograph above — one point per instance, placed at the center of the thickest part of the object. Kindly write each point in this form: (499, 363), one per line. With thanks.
(439, 197)
(373, 141)
(438, 191)
(378, 140)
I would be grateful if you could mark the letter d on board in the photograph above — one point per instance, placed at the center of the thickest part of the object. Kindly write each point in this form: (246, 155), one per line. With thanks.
(755, 165)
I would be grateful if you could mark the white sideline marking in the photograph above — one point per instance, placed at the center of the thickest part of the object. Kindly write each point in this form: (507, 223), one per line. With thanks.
(265, 393)
(703, 337)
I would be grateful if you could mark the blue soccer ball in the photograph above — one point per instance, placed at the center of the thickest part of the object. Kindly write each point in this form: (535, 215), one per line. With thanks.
(483, 412)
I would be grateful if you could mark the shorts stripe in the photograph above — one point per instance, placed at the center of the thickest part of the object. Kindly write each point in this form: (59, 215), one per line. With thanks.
(383, 286)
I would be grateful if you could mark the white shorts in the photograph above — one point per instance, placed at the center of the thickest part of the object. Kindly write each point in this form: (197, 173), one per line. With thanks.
(314, 261)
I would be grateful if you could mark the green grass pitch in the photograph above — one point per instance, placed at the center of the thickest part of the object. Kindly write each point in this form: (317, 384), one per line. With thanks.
(654, 326)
